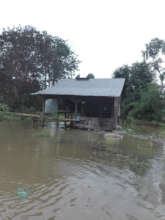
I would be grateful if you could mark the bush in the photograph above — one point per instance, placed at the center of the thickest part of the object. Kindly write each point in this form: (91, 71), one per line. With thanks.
(150, 106)
(3, 107)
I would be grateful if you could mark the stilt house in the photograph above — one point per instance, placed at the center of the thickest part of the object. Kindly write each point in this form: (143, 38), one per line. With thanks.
(95, 103)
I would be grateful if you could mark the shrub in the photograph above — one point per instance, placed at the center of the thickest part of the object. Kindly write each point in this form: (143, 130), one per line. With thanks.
(150, 106)
(3, 107)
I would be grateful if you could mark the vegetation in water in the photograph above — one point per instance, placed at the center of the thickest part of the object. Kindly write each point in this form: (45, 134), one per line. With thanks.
(43, 133)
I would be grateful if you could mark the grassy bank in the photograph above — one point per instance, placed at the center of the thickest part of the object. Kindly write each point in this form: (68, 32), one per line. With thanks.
(153, 128)
(8, 116)
(27, 116)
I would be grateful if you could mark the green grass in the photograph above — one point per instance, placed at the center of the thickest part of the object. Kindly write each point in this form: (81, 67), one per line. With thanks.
(141, 127)
(43, 133)
(161, 133)
(55, 115)
(12, 116)
(8, 116)
(135, 122)
(131, 131)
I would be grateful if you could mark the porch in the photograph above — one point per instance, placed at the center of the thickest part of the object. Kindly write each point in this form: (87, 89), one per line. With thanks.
(94, 113)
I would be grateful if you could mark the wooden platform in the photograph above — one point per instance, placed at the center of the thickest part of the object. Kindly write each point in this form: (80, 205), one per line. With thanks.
(41, 116)
(90, 123)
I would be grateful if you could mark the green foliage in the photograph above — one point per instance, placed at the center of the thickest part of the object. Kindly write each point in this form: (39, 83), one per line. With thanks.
(3, 107)
(55, 115)
(150, 106)
(153, 48)
(137, 77)
(142, 98)
(44, 133)
(31, 60)
(28, 110)
(154, 55)
(78, 76)
(6, 116)
(130, 131)
(90, 76)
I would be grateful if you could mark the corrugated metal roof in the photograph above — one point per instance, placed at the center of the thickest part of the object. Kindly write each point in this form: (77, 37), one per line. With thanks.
(90, 87)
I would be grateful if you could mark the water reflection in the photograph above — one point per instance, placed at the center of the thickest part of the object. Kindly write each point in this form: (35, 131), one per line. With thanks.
(76, 174)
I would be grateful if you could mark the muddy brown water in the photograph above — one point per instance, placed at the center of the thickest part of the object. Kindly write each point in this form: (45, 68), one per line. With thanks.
(77, 175)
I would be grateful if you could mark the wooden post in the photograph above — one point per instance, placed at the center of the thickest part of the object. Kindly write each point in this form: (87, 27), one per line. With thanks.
(65, 113)
(43, 111)
(65, 123)
(35, 122)
(75, 107)
(43, 105)
(116, 110)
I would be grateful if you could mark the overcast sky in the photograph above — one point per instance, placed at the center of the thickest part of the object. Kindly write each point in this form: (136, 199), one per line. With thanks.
(105, 34)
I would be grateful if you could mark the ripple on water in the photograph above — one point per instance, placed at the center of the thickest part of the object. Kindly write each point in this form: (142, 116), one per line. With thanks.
(70, 179)
(80, 190)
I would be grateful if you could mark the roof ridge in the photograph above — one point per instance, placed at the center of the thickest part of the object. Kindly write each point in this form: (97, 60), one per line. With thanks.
(94, 79)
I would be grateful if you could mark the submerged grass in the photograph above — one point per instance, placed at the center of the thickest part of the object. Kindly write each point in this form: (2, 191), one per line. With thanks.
(42, 133)
(162, 133)
(139, 127)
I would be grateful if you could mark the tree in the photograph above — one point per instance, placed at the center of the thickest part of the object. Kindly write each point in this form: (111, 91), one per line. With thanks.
(150, 106)
(137, 77)
(31, 60)
(142, 98)
(125, 73)
(154, 54)
(78, 76)
(90, 76)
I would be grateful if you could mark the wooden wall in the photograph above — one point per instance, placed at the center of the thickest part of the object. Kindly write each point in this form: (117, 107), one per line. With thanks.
(95, 122)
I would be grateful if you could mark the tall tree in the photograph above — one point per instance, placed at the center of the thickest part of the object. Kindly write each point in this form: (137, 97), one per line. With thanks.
(154, 54)
(34, 58)
(137, 77)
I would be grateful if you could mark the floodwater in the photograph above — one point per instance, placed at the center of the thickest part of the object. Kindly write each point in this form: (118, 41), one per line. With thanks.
(77, 175)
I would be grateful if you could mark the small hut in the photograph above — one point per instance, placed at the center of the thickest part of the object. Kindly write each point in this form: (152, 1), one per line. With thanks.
(95, 103)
